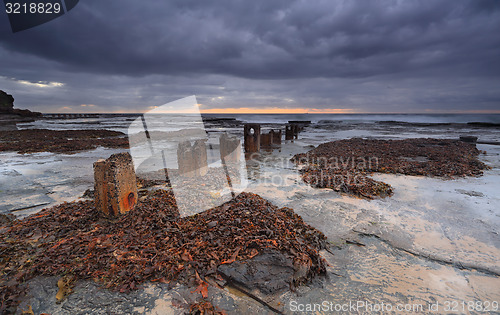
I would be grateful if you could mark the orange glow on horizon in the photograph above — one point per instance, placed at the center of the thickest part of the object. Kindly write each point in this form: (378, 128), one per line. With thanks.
(277, 110)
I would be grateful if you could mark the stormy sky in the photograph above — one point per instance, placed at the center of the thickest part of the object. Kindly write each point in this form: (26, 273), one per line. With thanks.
(436, 56)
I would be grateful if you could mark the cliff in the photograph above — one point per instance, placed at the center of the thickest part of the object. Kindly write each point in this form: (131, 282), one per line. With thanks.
(7, 107)
(6, 103)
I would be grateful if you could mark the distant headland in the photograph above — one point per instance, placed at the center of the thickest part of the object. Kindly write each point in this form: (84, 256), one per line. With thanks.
(10, 115)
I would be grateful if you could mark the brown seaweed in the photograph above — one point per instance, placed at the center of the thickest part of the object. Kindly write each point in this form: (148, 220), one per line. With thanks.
(60, 141)
(345, 165)
(151, 243)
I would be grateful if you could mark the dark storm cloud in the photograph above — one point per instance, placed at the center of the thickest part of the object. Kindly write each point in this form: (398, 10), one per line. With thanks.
(354, 50)
(268, 39)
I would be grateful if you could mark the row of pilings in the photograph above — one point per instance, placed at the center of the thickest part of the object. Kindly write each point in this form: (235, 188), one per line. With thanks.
(115, 187)
(115, 184)
(255, 139)
(70, 116)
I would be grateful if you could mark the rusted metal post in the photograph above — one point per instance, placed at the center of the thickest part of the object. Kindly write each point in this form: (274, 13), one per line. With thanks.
(251, 134)
(115, 186)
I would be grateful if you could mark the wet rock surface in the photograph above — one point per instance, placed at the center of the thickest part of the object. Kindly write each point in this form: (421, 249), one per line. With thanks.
(152, 298)
(268, 273)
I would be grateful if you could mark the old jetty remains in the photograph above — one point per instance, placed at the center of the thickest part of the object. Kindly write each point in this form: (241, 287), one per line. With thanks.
(115, 185)
(192, 159)
(71, 116)
(255, 139)
(229, 149)
(251, 134)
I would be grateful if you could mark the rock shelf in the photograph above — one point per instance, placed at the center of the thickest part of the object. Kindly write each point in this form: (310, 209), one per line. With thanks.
(345, 165)
(60, 141)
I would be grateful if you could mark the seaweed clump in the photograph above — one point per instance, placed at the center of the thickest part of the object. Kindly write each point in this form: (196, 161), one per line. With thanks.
(60, 141)
(152, 243)
(345, 165)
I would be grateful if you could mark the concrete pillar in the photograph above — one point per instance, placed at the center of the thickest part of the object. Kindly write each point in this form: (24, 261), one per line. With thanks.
(276, 136)
(185, 159)
(200, 157)
(289, 132)
(266, 139)
(115, 186)
(296, 130)
(192, 160)
(251, 134)
(230, 149)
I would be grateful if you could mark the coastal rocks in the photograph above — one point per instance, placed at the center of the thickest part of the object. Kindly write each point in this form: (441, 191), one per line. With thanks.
(268, 273)
(345, 165)
(115, 187)
(59, 141)
(348, 182)
(7, 107)
(470, 139)
(10, 116)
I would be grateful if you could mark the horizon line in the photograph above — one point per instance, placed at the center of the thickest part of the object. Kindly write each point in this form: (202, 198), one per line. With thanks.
(284, 113)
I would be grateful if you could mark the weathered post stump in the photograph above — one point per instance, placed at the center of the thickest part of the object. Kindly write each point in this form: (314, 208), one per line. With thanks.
(229, 149)
(266, 139)
(185, 160)
(192, 160)
(276, 136)
(251, 134)
(115, 186)
(289, 135)
(295, 129)
(200, 157)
